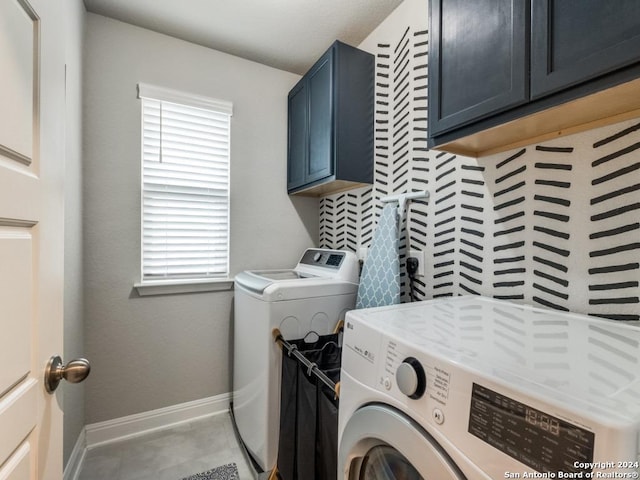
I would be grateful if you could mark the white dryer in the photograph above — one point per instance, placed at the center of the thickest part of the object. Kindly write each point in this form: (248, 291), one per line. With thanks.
(474, 388)
(311, 297)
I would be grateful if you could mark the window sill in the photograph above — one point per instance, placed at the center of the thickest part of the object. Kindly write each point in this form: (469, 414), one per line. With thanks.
(185, 286)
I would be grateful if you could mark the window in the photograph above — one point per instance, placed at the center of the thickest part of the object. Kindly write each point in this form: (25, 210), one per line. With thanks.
(185, 186)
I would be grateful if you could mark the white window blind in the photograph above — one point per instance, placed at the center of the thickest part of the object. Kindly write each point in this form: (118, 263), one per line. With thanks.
(185, 185)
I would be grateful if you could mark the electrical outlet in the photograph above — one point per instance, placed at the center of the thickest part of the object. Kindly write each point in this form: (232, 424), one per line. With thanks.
(419, 254)
(362, 253)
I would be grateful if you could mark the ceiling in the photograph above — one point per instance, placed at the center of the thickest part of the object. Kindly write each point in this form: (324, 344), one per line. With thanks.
(285, 34)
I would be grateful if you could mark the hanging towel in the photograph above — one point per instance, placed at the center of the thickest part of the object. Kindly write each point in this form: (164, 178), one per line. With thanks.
(380, 279)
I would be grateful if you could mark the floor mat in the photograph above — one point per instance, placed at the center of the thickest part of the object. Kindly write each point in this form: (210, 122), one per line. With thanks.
(225, 472)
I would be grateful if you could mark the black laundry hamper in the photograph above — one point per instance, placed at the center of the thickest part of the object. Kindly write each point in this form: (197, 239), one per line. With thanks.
(308, 443)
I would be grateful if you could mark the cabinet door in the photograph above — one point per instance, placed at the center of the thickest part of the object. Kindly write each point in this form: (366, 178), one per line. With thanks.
(298, 153)
(320, 164)
(478, 61)
(576, 40)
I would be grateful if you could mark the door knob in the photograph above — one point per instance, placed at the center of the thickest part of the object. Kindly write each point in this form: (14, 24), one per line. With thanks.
(73, 372)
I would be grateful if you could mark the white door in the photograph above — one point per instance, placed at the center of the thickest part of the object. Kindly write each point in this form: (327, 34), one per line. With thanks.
(31, 235)
(379, 442)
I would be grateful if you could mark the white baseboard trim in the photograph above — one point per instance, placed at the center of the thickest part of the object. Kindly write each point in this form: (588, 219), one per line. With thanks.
(74, 464)
(138, 424)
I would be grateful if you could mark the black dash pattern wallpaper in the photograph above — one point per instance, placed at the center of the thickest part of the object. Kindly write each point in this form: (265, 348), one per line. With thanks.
(555, 224)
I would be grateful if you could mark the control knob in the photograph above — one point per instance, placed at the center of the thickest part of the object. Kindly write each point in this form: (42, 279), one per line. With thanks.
(411, 378)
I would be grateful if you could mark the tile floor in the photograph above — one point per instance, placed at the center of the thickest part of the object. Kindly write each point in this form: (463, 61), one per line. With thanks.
(170, 454)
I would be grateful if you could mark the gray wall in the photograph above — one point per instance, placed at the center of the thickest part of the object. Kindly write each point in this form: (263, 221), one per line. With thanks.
(153, 352)
(73, 286)
(553, 224)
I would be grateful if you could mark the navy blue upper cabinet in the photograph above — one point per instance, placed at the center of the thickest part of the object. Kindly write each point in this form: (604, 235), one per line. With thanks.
(298, 136)
(480, 50)
(507, 73)
(577, 40)
(320, 126)
(330, 124)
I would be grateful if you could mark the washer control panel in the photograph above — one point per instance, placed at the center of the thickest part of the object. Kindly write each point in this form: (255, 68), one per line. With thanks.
(323, 258)
(539, 440)
(339, 265)
(414, 378)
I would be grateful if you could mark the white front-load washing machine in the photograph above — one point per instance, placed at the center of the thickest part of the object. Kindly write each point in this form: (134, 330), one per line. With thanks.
(475, 388)
(311, 297)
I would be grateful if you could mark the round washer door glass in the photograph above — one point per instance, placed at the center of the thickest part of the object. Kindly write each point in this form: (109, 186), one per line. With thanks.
(386, 463)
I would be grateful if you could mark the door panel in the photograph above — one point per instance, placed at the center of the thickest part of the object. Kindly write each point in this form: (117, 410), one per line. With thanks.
(298, 151)
(16, 298)
(320, 121)
(18, 55)
(19, 465)
(566, 49)
(478, 63)
(18, 412)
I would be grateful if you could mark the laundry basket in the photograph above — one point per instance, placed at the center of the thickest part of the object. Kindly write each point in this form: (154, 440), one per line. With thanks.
(308, 443)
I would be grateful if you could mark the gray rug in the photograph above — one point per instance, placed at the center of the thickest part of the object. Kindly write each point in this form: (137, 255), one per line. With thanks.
(225, 472)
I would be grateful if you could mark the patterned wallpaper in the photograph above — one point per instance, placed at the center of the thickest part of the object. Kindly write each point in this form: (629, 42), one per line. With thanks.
(554, 224)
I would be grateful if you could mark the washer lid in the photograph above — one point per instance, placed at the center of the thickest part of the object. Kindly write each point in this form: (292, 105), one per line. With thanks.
(279, 285)
(258, 280)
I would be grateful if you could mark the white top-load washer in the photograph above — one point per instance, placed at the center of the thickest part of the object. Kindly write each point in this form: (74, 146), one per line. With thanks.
(312, 297)
(475, 388)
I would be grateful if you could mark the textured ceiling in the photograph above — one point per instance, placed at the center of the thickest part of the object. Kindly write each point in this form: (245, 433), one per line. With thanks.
(285, 34)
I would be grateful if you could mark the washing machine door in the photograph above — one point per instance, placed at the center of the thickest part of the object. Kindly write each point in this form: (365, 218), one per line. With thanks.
(380, 443)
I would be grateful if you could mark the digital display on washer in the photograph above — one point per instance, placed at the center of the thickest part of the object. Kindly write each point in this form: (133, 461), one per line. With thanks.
(335, 260)
(541, 441)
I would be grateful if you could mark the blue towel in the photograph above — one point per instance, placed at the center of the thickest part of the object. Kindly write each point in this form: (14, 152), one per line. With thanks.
(380, 280)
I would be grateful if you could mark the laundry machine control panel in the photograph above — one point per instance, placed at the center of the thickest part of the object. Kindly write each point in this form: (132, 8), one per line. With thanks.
(392, 368)
(412, 377)
(540, 440)
(323, 258)
(533, 437)
(324, 263)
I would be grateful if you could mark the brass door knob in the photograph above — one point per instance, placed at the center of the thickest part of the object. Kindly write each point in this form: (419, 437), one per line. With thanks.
(73, 372)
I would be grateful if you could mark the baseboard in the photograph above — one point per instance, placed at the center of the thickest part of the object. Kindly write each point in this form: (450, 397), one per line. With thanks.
(74, 464)
(141, 423)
